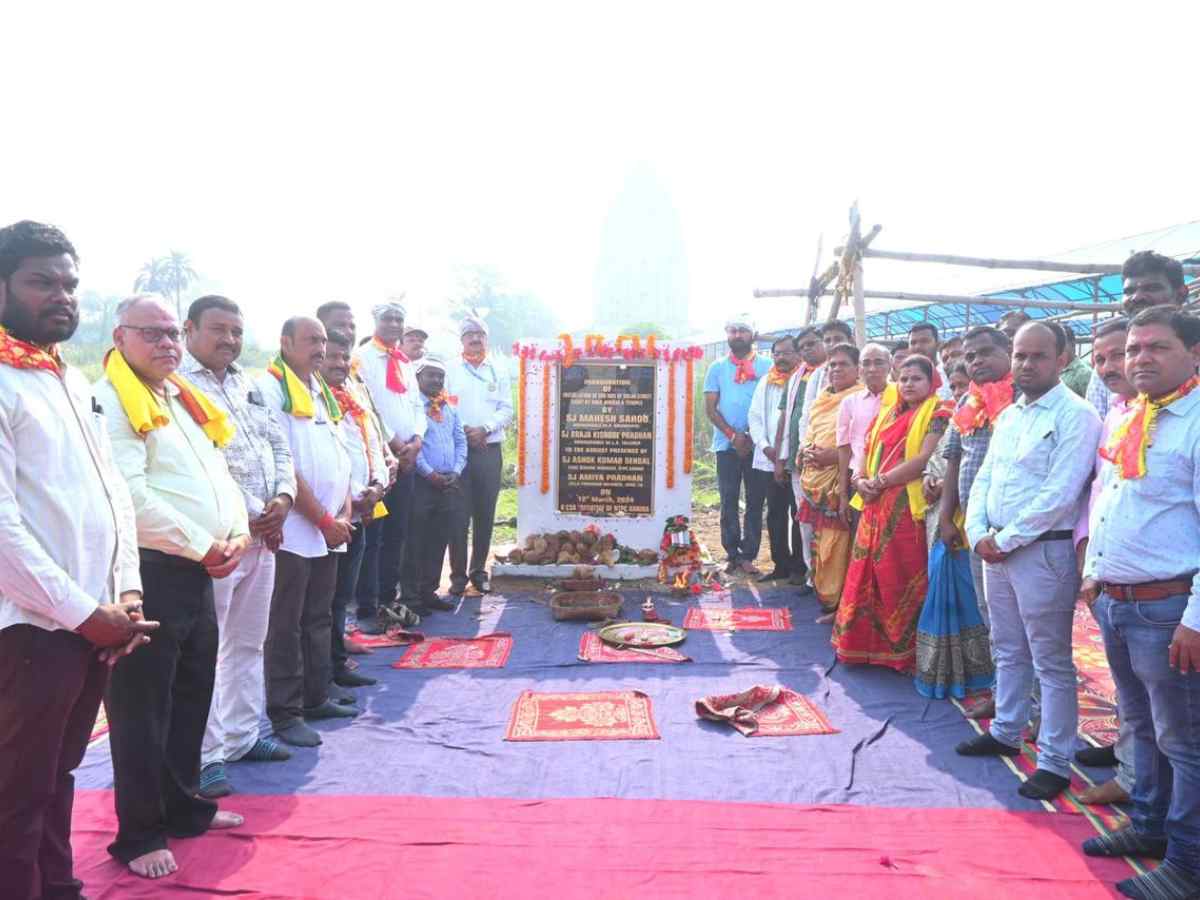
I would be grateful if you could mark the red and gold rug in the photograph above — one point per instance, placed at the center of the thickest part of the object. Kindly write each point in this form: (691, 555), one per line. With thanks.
(592, 649)
(1097, 694)
(766, 711)
(488, 651)
(588, 716)
(744, 619)
(394, 637)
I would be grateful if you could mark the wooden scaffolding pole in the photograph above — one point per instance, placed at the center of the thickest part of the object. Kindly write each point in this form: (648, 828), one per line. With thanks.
(1042, 265)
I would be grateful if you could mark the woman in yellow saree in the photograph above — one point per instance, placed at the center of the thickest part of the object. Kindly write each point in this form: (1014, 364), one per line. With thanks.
(818, 466)
(887, 580)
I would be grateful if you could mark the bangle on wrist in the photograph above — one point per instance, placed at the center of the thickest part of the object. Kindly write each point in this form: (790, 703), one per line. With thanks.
(325, 521)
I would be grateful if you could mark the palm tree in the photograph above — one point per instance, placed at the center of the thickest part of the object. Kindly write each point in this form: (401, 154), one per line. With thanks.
(169, 276)
(149, 280)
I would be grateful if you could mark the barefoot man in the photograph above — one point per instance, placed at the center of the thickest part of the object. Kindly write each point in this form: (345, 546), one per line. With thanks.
(69, 582)
(191, 528)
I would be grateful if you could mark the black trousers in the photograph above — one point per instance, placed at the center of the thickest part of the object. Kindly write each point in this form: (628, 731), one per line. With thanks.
(158, 700)
(787, 553)
(481, 485)
(50, 688)
(442, 514)
(349, 570)
(392, 536)
(298, 659)
(366, 592)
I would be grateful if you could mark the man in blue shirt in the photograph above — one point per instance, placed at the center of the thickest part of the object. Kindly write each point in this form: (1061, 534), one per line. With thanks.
(1021, 514)
(1140, 578)
(439, 503)
(728, 389)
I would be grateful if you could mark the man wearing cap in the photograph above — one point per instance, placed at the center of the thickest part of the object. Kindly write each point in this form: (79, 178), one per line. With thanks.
(728, 389)
(438, 497)
(413, 342)
(485, 408)
(388, 373)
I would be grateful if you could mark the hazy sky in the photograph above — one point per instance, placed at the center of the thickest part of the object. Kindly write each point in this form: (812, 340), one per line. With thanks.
(301, 152)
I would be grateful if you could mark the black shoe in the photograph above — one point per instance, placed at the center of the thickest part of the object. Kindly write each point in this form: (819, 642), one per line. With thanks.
(1097, 756)
(776, 575)
(329, 710)
(732, 566)
(483, 583)
(341, 696)
(1126, 842)
(985, 745)
(348, 679)
(456, 589)
(298, 735)
(437, 604)
(1044, 785)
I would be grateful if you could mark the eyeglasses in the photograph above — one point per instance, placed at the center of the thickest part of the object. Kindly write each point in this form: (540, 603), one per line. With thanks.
(152, 335)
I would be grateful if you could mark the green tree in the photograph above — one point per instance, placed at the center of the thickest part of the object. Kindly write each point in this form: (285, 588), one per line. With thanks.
(168, 276)
(510, 314)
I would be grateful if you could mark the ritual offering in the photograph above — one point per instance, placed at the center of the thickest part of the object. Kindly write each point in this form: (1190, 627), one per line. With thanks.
(586, 606)
(641, 634)
(592, 649)
(649, 613)
(582, 579)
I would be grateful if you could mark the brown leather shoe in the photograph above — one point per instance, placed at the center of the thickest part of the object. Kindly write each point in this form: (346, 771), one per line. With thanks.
(1107, 792)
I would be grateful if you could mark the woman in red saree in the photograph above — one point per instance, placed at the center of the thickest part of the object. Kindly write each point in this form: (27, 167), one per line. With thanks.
(887, 580)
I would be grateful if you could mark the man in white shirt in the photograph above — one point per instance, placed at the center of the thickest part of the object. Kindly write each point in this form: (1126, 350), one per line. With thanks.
(1021, 515)
(485, 408)
(261, 463)
(69, 580)
(192, 528)
(299, 660)
(368, 483)
(764, 417)
(389, 375)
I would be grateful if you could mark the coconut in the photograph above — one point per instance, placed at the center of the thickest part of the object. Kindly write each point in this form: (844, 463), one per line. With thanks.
(516, 556)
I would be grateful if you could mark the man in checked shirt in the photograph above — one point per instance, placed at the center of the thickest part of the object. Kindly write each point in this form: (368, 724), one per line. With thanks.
(261, 463)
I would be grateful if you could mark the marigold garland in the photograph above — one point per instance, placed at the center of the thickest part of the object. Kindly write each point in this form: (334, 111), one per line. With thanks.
(546, 368)
(689, 418)
(522, 412)
(670, 424)
(627, 346)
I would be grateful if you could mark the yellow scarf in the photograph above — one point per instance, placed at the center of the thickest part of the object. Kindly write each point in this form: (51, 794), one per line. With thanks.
(144, 411)
(912, 445)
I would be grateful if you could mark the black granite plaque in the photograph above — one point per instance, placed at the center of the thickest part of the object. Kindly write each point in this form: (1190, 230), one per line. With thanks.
(606, 439)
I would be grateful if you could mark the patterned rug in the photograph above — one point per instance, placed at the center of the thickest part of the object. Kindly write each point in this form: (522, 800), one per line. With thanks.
(592, 649)
(100, 728)
(589, 716)
(766, 711)
(488, 651)
(394, 637)
(744, 619)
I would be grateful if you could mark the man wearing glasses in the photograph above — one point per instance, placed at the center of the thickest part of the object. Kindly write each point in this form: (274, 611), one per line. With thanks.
(191, 527)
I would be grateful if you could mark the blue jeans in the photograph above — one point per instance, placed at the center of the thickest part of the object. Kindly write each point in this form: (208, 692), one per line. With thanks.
(1161, 707)
(741, 541)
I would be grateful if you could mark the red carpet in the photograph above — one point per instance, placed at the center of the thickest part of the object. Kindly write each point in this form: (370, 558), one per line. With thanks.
(488, 651)
(743, 619)
(350, 847)
(582, 716)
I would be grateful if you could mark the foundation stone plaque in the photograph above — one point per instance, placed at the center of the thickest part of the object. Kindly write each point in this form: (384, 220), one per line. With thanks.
(606, 434)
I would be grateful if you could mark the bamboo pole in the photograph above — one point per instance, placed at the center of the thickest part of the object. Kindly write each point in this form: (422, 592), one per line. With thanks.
(1013, 302)
(860, 305)
(1042, 265)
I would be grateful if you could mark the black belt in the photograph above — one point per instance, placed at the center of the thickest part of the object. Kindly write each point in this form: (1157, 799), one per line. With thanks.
(145, 554)
(1064, 534)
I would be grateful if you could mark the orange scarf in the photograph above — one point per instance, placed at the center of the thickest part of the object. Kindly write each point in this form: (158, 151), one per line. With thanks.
(475, 359)
(23, 355)
(1133, 436)
(743, 369)
(396, 356)
(983, 404)
(436, 403)
(775, 377)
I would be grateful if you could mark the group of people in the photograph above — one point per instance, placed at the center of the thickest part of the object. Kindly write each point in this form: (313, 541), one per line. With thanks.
(950, 502)
(185, 541)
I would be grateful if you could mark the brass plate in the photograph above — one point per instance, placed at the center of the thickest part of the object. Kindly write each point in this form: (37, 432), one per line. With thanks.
(641, 634)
